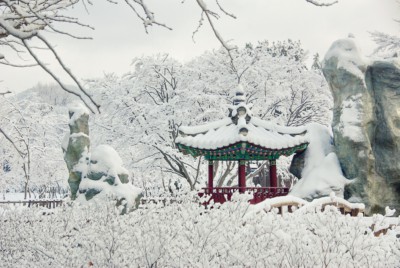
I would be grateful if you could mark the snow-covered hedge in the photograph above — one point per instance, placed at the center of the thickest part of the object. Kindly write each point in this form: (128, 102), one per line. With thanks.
(187, 235)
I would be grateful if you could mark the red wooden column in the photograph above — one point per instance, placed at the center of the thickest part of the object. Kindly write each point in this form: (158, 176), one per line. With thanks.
(242, 176)
(272, 174)
(210, 174)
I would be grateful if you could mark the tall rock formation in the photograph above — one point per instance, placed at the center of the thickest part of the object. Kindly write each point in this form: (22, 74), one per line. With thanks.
(76, 145)
(366, 124)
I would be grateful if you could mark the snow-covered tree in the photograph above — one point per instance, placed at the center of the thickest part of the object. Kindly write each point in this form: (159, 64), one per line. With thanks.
(387, 44)
(144, 108)
(316, 65)
(31, 137)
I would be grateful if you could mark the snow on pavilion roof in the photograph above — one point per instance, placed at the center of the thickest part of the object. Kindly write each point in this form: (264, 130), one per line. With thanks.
(240, 127)
(224, 132)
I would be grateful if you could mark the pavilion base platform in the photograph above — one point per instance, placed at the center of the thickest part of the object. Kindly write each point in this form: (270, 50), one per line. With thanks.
(223, 194)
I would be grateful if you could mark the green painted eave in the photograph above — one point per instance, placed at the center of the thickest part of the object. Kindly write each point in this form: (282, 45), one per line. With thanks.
(241, 151)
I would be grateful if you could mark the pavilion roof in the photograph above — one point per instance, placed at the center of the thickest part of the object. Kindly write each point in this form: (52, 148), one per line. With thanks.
(217, 135)
(240, 126)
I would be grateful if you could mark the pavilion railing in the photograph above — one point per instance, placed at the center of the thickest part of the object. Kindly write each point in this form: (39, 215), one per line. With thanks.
(222, 194)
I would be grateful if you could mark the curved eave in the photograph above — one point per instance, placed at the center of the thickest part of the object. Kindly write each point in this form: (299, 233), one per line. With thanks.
(242, 151)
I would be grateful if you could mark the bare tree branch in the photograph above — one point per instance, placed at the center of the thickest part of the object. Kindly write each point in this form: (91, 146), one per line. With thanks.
(44, 67)
(225, 12)
(208, 14)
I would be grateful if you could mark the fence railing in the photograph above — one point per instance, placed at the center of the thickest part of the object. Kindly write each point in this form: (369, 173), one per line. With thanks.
(223, 194)
(34, 203)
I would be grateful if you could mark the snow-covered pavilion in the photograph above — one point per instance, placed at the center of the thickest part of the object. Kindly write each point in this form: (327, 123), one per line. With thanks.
(242, 137)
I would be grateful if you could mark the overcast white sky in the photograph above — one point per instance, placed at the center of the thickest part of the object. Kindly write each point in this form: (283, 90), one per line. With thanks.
(119, 34)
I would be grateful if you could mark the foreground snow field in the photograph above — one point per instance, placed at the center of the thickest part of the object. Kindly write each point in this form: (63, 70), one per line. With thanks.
(187, 235)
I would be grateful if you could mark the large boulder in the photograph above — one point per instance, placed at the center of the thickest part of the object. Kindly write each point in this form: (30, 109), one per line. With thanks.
(107, 178)
(365, 124)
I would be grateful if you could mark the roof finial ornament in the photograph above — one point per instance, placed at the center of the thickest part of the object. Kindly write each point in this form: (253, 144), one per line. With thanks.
(239, 95)
(239, 108)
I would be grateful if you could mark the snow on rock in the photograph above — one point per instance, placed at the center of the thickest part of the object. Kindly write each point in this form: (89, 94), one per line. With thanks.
(322, 172)
(105, 159)
(107, 178)
(76, 110)
(348, 56)
(126, 195)
(351, 124)
(64, 142)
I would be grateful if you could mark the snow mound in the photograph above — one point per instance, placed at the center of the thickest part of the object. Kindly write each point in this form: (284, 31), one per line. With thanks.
(322, 173)
(108, 179)
(105, 159)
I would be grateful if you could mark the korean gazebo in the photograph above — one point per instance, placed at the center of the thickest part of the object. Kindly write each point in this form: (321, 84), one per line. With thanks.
(242, 137)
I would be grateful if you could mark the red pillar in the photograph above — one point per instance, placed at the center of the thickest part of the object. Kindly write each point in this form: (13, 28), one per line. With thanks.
(242, 176)
(272, 174)
(210, 174)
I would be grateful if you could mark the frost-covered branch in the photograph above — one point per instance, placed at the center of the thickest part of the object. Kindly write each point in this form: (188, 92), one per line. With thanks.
(22, 21)
(147, 17)
(208, 13)
(385, 42)
(9, 139)
(224, 11)
(178, 167)
(54, 76)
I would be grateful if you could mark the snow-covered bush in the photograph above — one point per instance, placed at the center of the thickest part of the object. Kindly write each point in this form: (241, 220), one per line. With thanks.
(188, 235)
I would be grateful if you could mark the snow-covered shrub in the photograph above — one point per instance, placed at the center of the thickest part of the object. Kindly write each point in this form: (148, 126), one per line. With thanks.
(186, 234)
